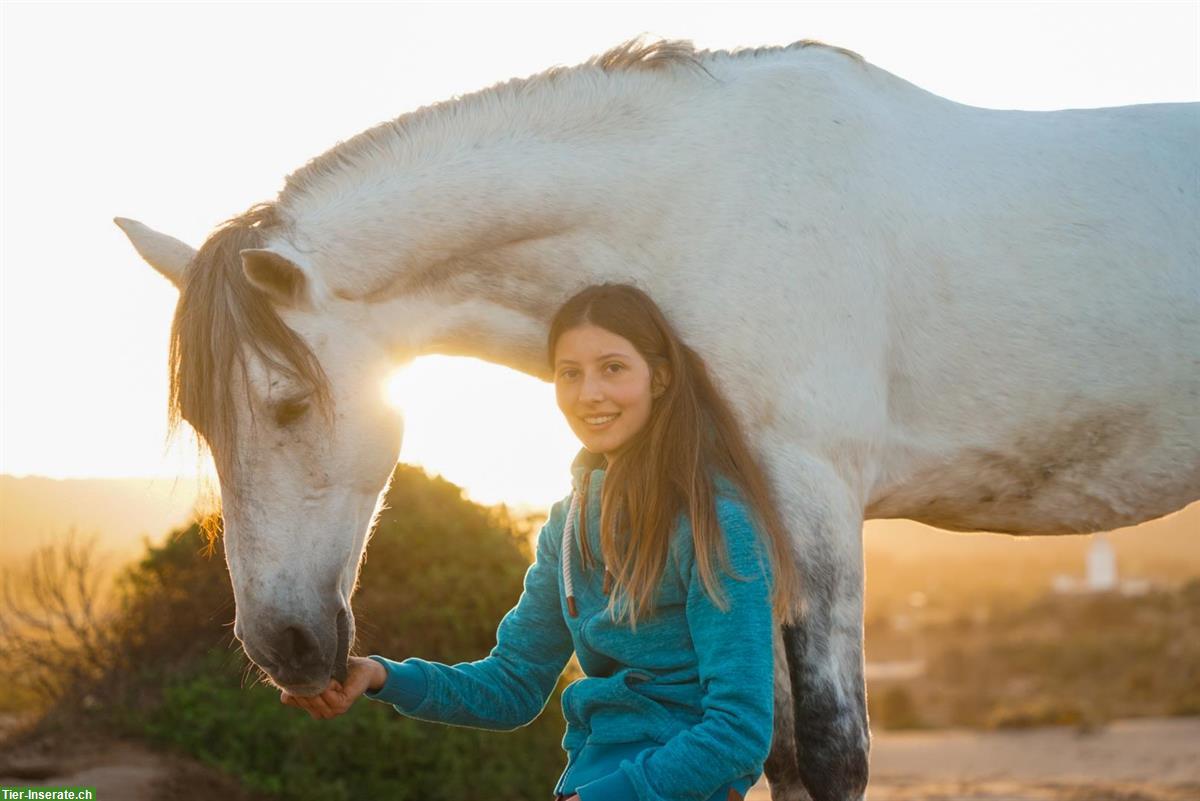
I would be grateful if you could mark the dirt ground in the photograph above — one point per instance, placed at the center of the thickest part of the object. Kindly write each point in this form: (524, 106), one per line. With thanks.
(1134, 760)
(1138, 760)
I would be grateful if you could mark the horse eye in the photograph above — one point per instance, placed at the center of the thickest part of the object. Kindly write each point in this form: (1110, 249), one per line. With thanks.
(289, 412)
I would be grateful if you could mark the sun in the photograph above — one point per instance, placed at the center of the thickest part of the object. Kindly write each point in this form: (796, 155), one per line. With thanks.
(494, 431)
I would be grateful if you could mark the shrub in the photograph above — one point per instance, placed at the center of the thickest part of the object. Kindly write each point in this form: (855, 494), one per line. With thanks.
(442, 573)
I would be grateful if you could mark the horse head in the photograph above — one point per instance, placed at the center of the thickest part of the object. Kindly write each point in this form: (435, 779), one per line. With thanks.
(284, 385)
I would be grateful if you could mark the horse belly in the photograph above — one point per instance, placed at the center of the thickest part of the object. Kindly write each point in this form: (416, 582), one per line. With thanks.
(1096, 472)
(1089, 426)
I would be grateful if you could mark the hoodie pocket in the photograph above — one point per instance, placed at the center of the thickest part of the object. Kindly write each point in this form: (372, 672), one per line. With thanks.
(613, 710)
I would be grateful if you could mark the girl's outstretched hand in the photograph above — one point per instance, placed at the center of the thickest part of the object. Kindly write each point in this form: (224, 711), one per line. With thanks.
(362, 674)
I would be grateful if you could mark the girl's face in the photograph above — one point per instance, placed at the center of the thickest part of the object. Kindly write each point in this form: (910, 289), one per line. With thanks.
(604, 387)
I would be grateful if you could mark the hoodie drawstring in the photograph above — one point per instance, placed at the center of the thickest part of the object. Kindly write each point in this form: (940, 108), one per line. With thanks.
(568, 537)
(567, 548)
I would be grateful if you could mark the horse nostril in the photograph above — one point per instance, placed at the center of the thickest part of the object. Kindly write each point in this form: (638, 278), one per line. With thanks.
(295, 646)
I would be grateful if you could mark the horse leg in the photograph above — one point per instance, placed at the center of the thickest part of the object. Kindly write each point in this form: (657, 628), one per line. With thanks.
(781, 768)
(825, 650)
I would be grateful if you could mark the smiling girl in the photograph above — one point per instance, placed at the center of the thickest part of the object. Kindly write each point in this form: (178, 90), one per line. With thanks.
(664, 571)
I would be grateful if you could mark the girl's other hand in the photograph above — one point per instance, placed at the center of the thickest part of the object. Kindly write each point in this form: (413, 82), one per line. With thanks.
(362, 674)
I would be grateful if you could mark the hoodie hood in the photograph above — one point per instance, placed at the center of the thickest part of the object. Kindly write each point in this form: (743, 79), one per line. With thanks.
(586, 462)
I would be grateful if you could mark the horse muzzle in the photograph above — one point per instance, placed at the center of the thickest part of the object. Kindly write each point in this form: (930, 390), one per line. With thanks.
(301, 658)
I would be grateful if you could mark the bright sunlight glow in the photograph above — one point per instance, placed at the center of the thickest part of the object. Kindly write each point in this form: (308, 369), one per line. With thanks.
(490, 429)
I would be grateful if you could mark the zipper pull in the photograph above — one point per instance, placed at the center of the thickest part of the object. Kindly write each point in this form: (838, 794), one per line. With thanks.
(571, 608)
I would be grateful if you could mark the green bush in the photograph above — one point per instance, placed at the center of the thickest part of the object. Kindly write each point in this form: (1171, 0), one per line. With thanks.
(371, 752)
(442, 573)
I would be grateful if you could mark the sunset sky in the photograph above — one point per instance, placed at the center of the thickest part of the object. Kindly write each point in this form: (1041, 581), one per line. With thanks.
(180, 116)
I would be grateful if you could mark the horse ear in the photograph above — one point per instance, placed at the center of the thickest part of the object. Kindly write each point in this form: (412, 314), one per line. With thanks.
(164, 253)
(275, 275)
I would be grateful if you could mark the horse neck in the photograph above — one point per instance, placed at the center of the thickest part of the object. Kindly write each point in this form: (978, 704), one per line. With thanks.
(469, 247)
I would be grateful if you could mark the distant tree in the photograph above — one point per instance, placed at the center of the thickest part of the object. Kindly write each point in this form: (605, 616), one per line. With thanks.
(53, 625)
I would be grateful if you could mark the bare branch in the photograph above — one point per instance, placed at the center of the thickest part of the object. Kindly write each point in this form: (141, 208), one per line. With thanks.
(50, 619)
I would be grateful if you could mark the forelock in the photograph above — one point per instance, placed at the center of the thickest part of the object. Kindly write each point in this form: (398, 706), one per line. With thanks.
(219, 319)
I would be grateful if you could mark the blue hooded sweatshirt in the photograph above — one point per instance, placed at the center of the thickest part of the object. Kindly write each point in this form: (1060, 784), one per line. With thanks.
(680, 709)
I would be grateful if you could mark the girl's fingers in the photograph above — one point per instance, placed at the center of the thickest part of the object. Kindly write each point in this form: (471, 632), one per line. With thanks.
(322, 706)
(332, 701)
(300, 702)
(338, 703)
(338, 698)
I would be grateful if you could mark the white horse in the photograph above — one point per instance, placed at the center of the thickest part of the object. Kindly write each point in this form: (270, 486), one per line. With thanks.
(982, 320)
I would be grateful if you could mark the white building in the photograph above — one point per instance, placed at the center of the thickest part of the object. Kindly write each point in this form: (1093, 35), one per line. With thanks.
(1100, 574)
(1101, 565)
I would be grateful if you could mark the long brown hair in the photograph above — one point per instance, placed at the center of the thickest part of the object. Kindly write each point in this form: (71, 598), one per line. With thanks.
(668, 467)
